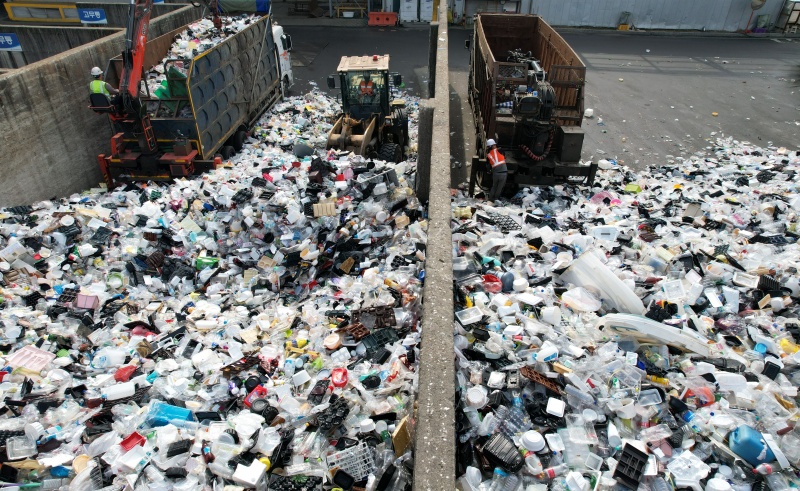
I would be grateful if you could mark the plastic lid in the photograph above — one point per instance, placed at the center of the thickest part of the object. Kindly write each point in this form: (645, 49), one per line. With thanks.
(532, 440)
(367, 426)
(476, 397)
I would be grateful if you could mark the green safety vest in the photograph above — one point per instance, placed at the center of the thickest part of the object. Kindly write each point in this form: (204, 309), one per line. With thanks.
(98, 87)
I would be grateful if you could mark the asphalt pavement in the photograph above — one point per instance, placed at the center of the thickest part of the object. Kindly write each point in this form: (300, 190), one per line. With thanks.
(654, 97)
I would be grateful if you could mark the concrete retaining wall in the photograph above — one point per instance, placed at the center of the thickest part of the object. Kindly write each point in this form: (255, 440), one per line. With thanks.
(40, 42)
(50, 139)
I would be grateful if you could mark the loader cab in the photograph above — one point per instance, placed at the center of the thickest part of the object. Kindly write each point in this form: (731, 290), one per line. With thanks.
(364, 81)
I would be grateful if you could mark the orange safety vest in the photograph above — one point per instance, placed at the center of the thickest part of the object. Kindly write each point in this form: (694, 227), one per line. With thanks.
(496, 158)
(366, 87)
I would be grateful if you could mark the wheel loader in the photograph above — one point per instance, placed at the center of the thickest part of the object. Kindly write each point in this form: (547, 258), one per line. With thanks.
(372, 123)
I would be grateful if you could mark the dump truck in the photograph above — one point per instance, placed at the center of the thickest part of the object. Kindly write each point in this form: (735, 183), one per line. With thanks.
(204, 108)
(372, 123)
(526, 89)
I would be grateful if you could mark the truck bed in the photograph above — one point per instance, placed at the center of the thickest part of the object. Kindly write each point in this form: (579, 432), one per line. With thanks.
(496, 35)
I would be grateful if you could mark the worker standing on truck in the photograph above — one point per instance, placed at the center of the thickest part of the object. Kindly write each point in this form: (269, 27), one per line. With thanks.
(100, 86)
(499, 169)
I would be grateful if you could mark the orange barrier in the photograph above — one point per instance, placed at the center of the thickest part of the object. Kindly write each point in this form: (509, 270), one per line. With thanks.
(382, 18)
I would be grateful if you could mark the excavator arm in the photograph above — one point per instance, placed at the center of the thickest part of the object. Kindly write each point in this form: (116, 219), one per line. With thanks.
(132, 68)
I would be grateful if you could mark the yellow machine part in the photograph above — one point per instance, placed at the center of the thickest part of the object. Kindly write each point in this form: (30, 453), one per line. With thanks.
(351, 134)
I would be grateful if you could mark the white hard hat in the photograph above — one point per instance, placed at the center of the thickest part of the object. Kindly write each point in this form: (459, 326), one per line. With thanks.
(490, 143)
(96, 71)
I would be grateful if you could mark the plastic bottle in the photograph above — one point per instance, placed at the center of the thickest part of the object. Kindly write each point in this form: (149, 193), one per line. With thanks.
(764, 469)
(559, 470)
(778, 482)
(533, 464)
(383, 430)
(659, 484)
(498, 479)
(581, 396)
(614, 440)
(511, 483)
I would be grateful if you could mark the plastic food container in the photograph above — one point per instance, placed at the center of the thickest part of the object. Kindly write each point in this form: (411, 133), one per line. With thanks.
(469, 316)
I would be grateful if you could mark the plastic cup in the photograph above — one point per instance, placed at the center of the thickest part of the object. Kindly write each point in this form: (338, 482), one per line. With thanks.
(627, 409)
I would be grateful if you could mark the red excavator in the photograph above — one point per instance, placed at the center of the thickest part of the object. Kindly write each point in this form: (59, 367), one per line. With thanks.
(203, 109)
(126, 108)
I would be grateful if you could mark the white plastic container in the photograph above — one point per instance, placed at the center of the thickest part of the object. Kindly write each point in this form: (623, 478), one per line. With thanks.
(119, 391)
(469, 316)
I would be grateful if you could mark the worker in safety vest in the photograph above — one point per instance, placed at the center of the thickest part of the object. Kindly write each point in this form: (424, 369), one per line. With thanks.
(100, 86)
(367, 87)
(367, 91)
(499, 169)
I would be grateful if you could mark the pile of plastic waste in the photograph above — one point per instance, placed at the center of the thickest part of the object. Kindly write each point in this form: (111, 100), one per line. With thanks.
(164, 79)
(255, 327)
(637, 334)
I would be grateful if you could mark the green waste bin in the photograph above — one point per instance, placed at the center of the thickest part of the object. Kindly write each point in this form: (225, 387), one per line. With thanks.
(624, 18)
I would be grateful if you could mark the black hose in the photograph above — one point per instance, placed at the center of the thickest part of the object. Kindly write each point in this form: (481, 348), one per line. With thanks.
(539, 158)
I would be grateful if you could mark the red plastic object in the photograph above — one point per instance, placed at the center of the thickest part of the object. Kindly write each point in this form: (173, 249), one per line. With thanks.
(124, 373)
(259, 392)
(382, 18)
(492, 283)
(339, 377)
(141, 331)
(131, 441)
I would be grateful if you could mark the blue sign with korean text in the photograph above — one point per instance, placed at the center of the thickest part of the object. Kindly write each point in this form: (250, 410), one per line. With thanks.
(92, 16)
(9, 42)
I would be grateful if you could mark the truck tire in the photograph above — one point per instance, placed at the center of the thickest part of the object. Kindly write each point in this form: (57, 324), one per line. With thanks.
(391, 152)
(285, 86)
(237, 141)
(227, 152)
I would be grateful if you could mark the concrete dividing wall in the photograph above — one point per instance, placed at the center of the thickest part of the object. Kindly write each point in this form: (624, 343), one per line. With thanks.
(435, 443)
(709, 15)
(40, 42)
(50, 139)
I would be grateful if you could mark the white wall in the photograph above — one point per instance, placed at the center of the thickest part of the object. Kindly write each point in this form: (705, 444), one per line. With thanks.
(711, 15)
